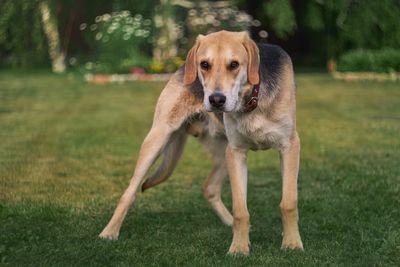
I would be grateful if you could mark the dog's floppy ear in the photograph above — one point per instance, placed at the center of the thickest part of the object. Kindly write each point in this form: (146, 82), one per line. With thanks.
(190, 63)
(253, 67)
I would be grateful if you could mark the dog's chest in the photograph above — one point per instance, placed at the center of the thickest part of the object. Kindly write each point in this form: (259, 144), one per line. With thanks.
(258, 132)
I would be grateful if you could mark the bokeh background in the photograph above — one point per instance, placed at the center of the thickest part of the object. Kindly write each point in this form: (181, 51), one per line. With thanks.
(123, 36)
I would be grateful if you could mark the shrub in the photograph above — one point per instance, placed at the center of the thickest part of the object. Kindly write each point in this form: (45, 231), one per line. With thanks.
(383, 60)
(168, 66)
(121, 41)
(210, 17)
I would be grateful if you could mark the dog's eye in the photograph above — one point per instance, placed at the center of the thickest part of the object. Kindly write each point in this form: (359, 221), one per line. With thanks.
(204, 65)
(234, 65)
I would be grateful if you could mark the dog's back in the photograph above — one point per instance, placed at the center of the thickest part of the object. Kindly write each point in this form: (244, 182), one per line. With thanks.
(272, 61)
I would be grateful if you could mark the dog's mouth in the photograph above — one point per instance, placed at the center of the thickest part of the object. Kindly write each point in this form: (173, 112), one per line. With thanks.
(223, 109)
(218, 110)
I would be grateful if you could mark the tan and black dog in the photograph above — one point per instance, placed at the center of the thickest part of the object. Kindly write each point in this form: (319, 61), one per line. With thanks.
(234, 96)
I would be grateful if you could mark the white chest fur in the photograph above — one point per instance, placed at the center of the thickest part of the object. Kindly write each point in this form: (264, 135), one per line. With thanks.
(256, 132)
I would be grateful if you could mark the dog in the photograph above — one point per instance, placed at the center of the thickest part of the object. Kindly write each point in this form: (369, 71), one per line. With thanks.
(234, 96)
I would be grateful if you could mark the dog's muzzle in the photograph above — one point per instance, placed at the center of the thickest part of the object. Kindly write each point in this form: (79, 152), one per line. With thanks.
(217, 100)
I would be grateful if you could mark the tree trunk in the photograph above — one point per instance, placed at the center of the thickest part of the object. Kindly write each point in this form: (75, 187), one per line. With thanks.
(165, 46)
(57, 57)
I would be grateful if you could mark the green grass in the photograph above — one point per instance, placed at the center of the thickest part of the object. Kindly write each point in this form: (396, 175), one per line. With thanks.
(68, 149)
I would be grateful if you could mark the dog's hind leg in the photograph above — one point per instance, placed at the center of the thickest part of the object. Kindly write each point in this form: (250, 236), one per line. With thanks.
(175, 105)
(213, 185)
(151, 148)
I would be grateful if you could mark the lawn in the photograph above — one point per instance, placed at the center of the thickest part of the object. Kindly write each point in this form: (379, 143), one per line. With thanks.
(68, 149)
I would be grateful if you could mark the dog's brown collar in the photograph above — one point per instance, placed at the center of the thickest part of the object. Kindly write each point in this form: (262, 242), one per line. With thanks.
(253, 101)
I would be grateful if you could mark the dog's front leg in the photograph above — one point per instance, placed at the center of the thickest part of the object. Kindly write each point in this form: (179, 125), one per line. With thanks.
(237, 168)
(151, 148)
(213, 185)
(290, 157)
(212, 192)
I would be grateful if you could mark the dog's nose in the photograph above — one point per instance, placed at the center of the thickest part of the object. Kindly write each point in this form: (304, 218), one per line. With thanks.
(217, 100)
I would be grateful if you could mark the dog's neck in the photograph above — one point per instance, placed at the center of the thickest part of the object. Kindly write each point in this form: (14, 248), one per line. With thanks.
(252, 103)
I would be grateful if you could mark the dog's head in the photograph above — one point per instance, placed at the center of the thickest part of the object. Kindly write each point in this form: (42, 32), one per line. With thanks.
(227, 65)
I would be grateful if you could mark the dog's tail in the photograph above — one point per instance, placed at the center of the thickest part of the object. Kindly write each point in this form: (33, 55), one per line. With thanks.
(171, 155)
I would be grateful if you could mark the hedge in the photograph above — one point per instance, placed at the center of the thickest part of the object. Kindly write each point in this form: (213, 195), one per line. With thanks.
(363, 60)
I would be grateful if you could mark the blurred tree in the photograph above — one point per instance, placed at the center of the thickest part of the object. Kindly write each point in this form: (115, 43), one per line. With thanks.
(349, 24)
(277, 17)
(282, 17)
(53, 39)
(206, 17)
(165, 43)
(313, 31)
(29, 29)
(325, 29)
(22, 41)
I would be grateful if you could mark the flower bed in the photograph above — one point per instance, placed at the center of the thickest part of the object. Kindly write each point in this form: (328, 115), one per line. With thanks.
(121, 78)
(368, 76)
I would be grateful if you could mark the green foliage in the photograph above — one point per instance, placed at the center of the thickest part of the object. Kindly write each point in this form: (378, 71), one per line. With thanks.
(372, 24)
(314, 18)
(146, 8)
(282, 17)
(206, 19)
(350, 24)
(326, 28)
(22, 41)
(384, 60)
(120, 40)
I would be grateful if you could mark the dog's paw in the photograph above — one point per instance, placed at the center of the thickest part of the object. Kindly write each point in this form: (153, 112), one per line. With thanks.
(293, 242)
(105, 234)
(239, 249)
(228, 221)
